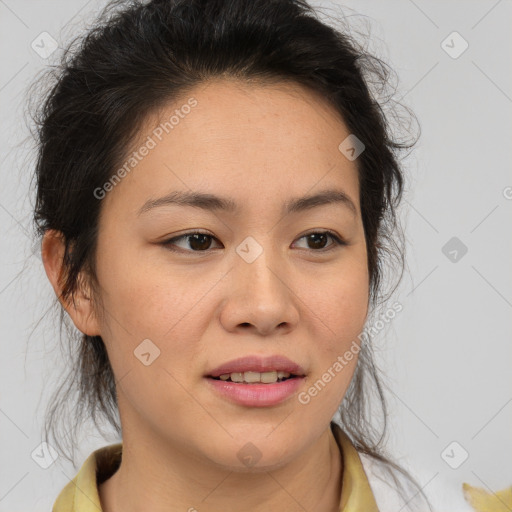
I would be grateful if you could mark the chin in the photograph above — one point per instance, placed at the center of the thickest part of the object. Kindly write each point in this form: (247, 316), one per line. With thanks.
(262, 453)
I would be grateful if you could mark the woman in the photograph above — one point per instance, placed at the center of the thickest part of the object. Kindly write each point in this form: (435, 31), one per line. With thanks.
(216, 195)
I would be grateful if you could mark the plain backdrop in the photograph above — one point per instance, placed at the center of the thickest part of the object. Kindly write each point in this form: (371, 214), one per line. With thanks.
(447, 355)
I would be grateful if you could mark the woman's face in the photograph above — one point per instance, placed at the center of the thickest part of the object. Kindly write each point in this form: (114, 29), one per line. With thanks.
(256, 285)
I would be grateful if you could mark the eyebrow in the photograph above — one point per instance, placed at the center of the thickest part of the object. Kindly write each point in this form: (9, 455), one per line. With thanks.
(212, 202)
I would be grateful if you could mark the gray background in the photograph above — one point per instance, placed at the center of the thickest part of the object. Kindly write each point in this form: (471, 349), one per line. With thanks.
(447, 355)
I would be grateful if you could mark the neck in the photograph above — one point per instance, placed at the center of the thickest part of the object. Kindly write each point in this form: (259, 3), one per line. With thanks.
(167, 478)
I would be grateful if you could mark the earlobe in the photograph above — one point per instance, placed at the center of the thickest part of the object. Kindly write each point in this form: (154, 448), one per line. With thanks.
(79, 307)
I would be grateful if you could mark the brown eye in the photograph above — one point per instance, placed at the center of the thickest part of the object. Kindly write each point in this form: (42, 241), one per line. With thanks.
(199, 241)
(194, 242)
(317, 241)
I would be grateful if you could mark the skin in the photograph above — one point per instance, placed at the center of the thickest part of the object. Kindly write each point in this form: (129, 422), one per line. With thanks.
(260, 145)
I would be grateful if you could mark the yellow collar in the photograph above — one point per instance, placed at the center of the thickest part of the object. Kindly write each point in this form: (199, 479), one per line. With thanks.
(81, 494)
(356, 493)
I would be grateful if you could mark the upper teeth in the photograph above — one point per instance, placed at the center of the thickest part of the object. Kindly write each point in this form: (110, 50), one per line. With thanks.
(265, 377)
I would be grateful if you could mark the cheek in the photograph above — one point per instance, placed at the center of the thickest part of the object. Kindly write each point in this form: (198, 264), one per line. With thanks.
(148, 297)
(339, 302)
(338, 313)
(157, 388)
(143, 310)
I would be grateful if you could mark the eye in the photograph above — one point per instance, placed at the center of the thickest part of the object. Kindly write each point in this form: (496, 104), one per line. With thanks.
(197, 241)
(317, 239)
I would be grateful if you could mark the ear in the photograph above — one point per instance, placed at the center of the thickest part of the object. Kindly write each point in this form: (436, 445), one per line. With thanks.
(81, 311)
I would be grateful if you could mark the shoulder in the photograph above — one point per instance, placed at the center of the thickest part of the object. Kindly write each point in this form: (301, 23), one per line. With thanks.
(393, 491)
(81, 494)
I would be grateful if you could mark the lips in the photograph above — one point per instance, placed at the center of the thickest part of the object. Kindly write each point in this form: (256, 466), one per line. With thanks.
(259, 364)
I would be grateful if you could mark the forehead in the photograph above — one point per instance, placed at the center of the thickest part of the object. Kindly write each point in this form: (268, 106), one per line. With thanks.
(232, 110)
(240, 140)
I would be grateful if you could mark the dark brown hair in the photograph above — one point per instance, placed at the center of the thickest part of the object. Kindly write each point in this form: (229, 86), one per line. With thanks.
(138, 57)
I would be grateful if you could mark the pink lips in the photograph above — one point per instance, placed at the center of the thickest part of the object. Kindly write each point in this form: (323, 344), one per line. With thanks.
(257, 394)
(258, 364)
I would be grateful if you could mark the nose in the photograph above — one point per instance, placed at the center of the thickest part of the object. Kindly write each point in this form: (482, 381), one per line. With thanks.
(260, 296)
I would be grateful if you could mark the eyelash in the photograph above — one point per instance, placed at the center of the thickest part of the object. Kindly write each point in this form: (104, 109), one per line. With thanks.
(338, 241)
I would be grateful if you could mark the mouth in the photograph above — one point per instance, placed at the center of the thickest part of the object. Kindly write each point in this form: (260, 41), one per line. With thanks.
(256, 368)
(254, 377)
(256, 381)
(255, 389)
